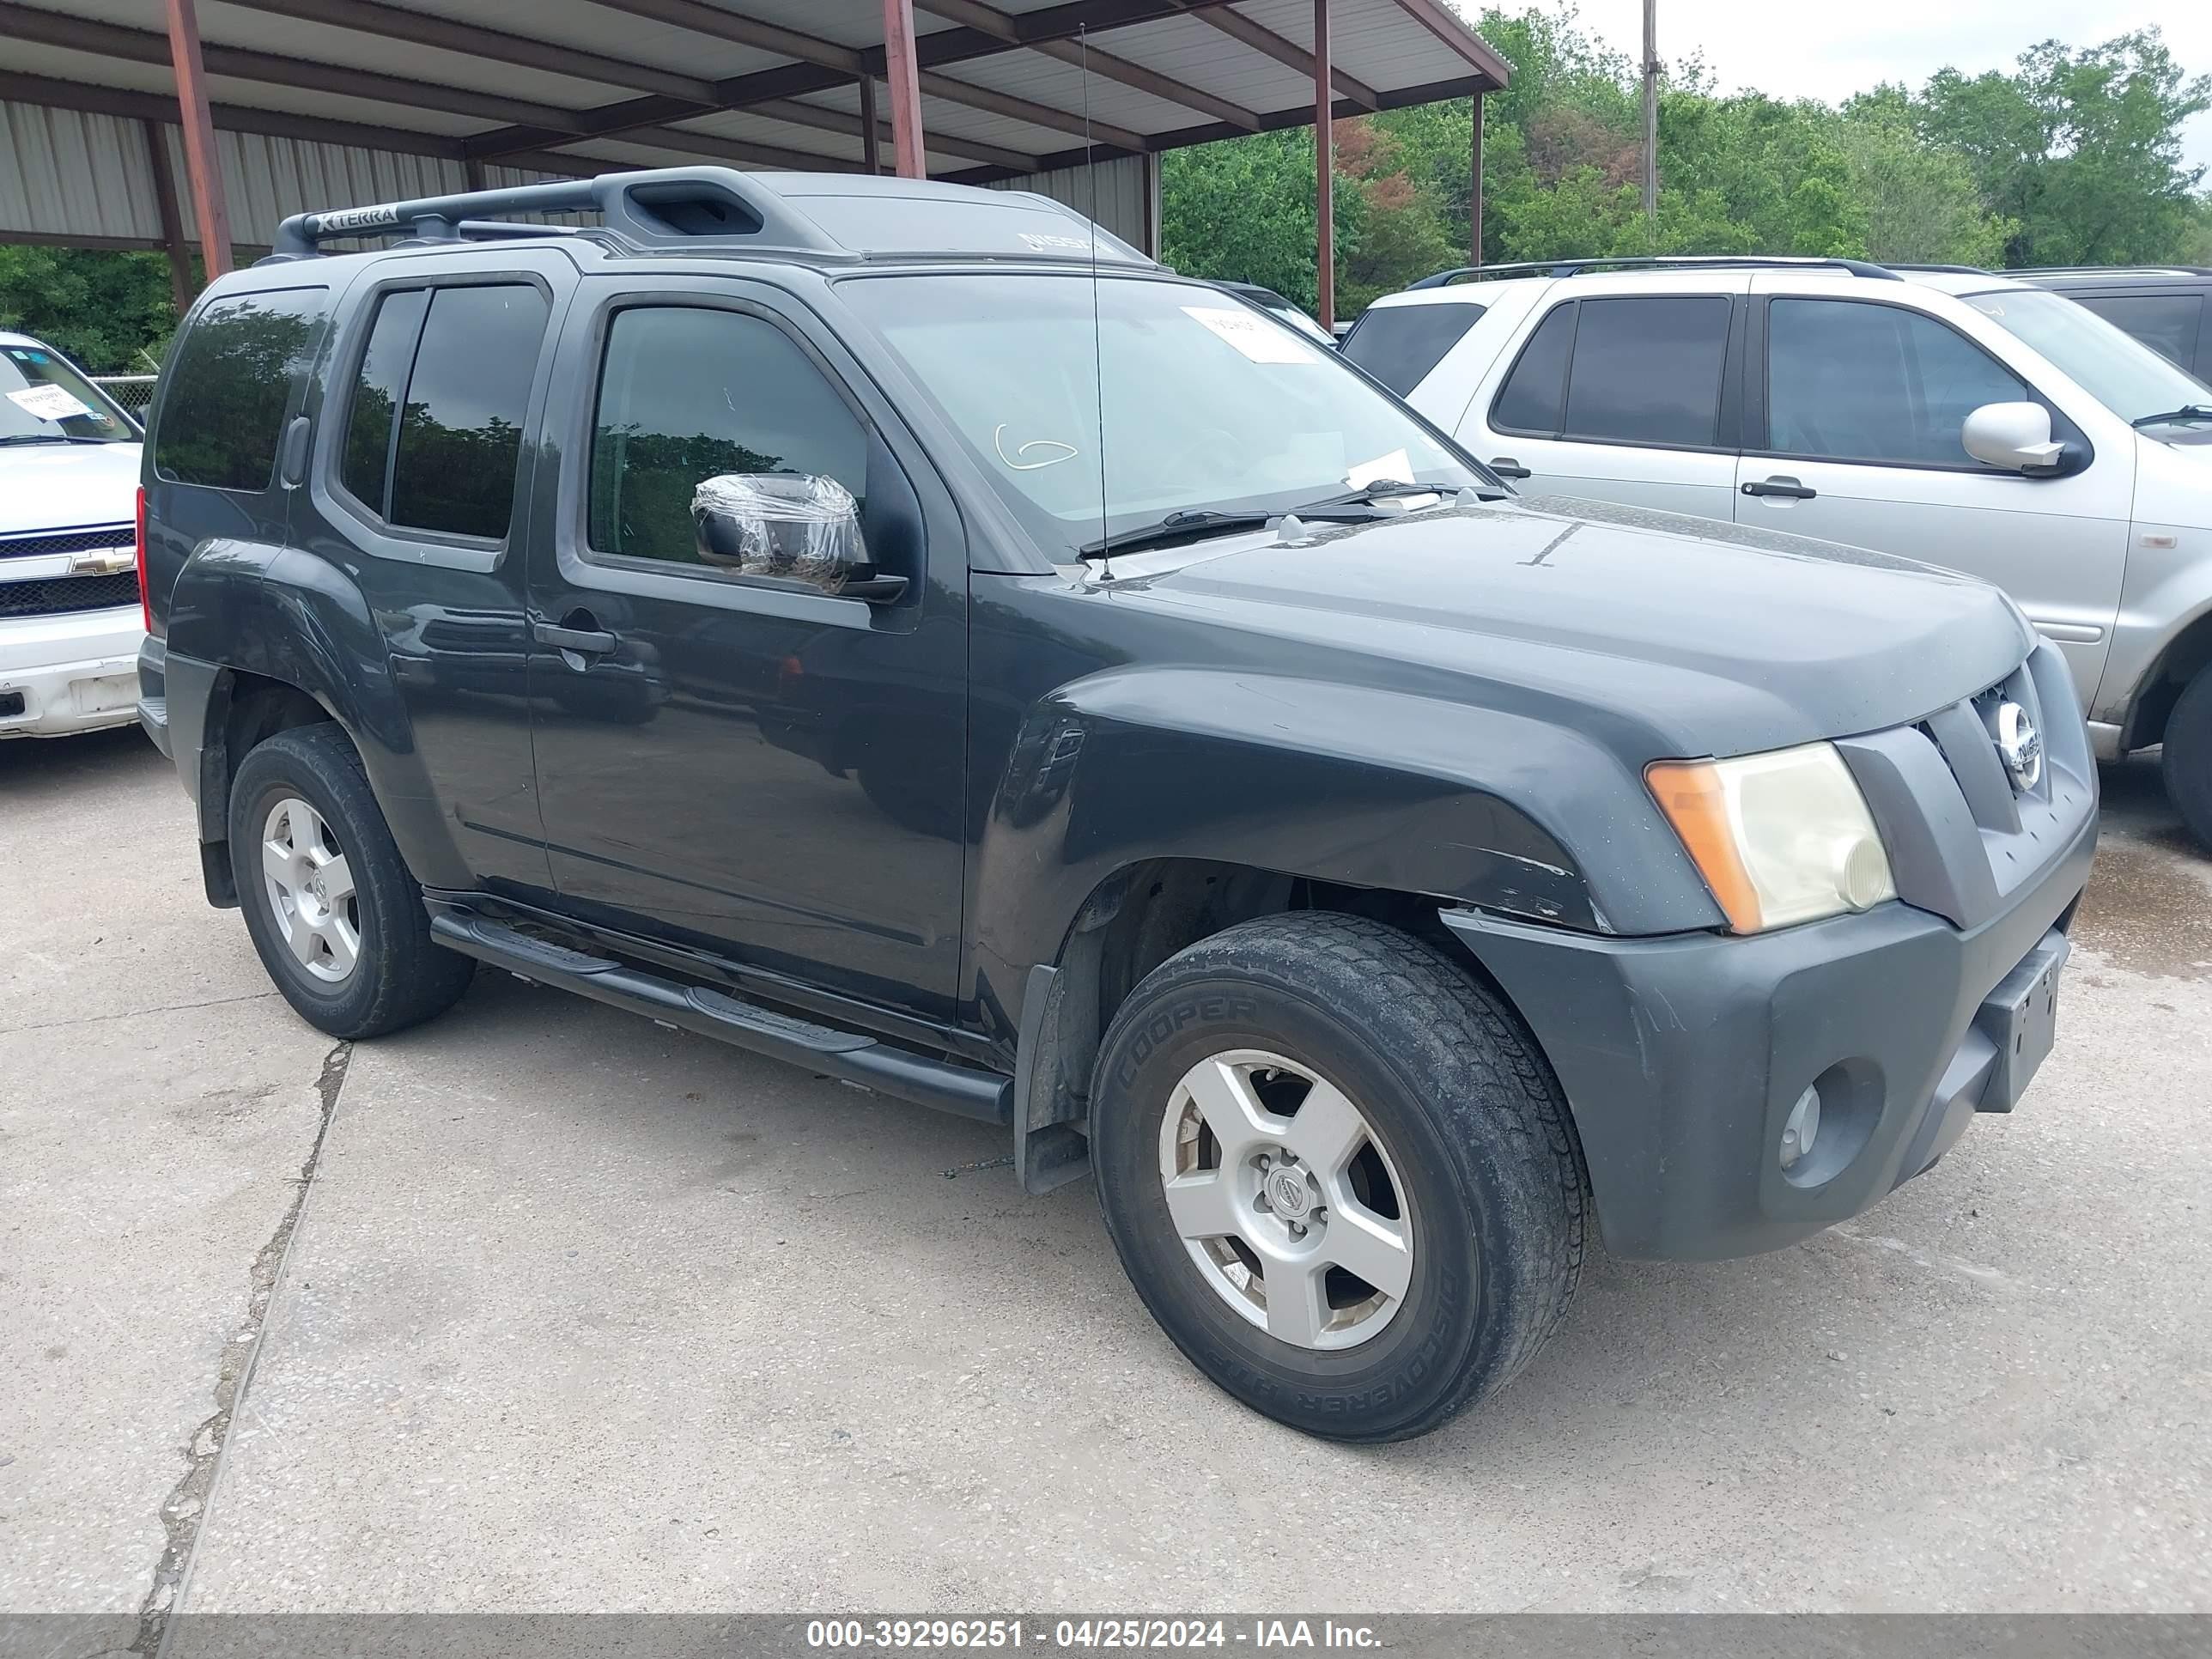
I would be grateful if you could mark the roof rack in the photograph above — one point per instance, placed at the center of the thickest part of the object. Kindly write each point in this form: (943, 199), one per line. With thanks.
(1955, 271)
(824, 216)
(1654, 262)
(2158, 268)
(648, 209)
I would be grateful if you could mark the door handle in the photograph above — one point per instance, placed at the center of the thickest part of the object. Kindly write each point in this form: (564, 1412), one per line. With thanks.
(295, 463)
(1506, 467)
(583, 642)
(1788, 489)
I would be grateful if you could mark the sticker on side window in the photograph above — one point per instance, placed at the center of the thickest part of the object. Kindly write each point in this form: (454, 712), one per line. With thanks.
(1261, 341)
(48, 403)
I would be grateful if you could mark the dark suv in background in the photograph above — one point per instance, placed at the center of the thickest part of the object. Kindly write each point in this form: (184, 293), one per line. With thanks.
(901, 629)
(2165, 306)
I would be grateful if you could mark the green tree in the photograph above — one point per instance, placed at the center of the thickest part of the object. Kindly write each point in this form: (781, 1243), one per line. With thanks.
(2081, 151)
(114, 313)
(1242, 210)
(1921, 202)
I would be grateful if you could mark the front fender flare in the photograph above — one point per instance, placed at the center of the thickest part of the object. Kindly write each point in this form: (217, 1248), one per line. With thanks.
(1350, 784)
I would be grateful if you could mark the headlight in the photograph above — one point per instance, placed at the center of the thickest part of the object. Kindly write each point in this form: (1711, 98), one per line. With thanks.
(1779, 838)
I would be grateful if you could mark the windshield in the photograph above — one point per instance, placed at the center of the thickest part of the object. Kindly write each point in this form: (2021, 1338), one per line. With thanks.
(2111, 366)
(1209, 407)
(42, 398)
(1283, 311)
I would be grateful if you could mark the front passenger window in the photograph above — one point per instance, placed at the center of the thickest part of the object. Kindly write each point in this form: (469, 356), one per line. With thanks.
(688, 393)
(1850, 381)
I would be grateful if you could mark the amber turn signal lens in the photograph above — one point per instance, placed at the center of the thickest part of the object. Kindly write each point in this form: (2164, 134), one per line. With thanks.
(1695, 800)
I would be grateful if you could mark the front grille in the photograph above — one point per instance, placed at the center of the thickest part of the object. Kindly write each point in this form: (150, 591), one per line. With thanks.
(63, 594)
(1965, 734)
(68, 541)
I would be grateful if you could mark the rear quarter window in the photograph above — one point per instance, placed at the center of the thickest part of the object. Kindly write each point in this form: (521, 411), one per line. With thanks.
(1400, 344)
(227, 387)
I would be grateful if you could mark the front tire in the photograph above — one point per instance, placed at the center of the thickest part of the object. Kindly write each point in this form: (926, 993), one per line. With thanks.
(2187, 757)
(1339, 1173)
(334, 912)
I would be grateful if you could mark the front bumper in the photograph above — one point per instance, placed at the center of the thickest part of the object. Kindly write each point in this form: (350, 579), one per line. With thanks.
(1681, 1057)
(73, 672)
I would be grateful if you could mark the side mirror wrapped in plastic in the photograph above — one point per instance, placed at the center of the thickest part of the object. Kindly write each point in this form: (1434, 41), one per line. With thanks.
(787, 530)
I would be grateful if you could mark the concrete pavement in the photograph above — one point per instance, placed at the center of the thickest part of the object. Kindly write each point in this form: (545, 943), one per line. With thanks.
(583, 1314)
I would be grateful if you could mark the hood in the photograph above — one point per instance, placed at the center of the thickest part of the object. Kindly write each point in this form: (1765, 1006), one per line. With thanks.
(1680, 637)
(67, 486)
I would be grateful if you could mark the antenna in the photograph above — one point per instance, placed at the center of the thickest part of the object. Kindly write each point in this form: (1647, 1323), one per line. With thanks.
(1097, 350)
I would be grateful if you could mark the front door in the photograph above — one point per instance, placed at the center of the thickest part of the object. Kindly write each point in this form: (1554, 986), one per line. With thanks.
(726, 762)
(1860, 413)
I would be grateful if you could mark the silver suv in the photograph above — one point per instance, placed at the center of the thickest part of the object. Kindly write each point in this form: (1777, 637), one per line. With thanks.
(1946, 415)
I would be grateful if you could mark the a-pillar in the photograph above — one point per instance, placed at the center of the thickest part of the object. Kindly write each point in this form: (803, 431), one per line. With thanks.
(1324, 167)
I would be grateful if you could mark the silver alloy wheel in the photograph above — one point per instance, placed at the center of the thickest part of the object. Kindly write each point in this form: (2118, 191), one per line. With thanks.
(311, 896)
(1286, 1199)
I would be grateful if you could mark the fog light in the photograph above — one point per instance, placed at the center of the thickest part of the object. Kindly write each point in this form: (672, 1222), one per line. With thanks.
(1802, 1128)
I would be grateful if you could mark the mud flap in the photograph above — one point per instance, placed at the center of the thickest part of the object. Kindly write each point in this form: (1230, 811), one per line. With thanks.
(1049, 1151)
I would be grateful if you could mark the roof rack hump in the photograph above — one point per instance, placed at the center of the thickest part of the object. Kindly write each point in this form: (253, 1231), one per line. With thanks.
(658, 207)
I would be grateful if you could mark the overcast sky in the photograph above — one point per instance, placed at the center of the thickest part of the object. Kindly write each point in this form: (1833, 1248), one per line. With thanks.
(1830, 50)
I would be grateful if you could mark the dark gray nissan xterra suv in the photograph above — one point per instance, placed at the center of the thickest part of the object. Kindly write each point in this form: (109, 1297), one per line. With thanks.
(750, 609)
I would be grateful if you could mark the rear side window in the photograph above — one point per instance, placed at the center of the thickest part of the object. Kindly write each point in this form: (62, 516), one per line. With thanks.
(367, 468)
(1534, 395)
(433, 430)
(230, 384)
(1850, 381)
(1400, 344)
(2167, 323)
(1648, 371)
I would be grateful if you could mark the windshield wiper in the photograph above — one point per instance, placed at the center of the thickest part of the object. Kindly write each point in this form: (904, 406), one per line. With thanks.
(2174, 416)
(1386, 489)
(53, 438)
(1202, 521)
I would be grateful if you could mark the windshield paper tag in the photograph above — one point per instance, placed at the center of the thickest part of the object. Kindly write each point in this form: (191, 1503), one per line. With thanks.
(48, 403)
(1263, 341)
(1397, 467)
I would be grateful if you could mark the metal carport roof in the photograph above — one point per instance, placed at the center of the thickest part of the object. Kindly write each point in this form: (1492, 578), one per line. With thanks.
(582, 85)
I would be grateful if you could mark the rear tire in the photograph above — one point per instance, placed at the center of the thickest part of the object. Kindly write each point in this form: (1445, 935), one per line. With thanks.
(333, 911)
(2187, 761)
(1461, 1154)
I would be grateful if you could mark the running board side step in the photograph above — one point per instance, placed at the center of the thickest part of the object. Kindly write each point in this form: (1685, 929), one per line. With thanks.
(849, 1056)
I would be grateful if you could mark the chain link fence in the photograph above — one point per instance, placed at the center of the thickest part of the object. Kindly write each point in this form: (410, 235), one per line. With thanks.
(134, 391)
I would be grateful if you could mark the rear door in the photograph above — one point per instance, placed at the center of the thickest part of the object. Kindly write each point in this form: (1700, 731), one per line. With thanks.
(440, 371)
(729, 764)
(1623, 390)
(1853, 423)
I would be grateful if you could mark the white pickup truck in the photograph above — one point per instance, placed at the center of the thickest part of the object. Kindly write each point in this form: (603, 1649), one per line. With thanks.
(70, 614)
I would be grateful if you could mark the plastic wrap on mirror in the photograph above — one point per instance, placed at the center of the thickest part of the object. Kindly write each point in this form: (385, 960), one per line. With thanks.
(795, 527)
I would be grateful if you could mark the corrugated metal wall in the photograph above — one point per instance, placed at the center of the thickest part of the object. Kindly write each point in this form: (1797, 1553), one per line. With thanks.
(64, 174)
(1121, 194)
